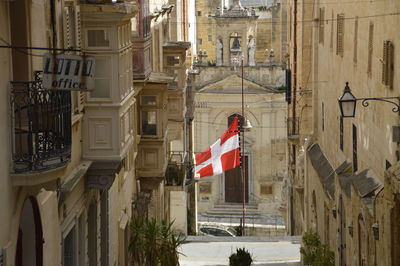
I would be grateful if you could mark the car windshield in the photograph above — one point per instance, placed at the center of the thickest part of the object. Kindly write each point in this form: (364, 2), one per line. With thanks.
(231, 230)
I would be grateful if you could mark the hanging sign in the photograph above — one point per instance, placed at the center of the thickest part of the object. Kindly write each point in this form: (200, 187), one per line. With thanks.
(68, 72)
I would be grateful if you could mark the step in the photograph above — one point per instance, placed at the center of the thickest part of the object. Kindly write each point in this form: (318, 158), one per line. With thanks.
(231, 212)
(234, 206)
(248, 216)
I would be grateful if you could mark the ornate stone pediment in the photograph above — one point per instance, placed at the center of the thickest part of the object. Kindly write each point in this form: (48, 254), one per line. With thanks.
(233, 85)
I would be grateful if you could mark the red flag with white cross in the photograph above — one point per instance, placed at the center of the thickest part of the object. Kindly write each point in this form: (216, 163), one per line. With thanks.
(223, 155)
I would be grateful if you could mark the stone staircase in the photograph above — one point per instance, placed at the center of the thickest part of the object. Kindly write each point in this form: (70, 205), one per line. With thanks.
(232, 210)
(232, 213)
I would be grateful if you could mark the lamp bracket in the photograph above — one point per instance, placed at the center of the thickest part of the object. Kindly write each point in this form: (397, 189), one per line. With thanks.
(395, 109)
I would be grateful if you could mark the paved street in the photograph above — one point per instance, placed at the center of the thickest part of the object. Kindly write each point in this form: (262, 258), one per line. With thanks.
(201, 251)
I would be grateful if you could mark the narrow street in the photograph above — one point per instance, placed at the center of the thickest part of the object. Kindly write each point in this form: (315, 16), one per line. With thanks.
(199, 251)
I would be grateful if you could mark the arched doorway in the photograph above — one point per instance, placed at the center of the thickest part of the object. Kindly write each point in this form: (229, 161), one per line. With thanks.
(30, 235)
(233, 177)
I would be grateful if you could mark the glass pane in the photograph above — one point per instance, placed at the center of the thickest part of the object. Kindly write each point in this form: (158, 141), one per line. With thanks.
(175, 74)
(101, 89)
(69, 248)
(102, 80)
(134, 26)
(149, 100)
(97, 38)
(172, 60)
(149, 123)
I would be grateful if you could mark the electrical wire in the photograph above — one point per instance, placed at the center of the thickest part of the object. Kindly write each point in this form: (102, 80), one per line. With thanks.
(298, 21)
(224, 124)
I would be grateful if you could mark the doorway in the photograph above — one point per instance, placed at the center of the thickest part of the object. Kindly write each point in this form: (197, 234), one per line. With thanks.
(234, 186)
(30, 235)
(233, 177)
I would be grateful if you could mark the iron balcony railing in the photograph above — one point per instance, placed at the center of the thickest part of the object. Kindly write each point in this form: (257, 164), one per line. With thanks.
(41, 122)
(180, 169)
(293, 127)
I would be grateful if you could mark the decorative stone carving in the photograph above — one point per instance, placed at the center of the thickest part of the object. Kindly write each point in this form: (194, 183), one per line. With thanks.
(220, 51)
(252, 52)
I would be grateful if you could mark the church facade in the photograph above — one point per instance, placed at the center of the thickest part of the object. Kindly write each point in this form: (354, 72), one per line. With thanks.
(239, 48)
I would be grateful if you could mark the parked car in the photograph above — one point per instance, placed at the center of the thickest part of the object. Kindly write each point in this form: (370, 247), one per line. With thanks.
(215, 231)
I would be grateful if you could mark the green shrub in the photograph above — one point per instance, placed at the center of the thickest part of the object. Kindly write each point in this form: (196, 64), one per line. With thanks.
(152, 243)
(241, 258)
(314, 252)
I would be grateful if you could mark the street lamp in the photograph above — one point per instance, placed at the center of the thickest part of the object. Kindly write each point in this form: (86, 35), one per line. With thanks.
(347, 102)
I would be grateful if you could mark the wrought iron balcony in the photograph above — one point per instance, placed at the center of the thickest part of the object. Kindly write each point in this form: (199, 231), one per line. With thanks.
(293, 128)
(41, 122)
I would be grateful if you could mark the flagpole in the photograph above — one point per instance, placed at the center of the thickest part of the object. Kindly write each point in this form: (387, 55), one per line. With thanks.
(243, 160)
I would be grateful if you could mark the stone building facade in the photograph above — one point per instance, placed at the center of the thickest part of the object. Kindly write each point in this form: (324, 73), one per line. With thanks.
(73, 163)
(231, 34)
(256, 25)
(67, 164)
(345, 170)
(265, 144)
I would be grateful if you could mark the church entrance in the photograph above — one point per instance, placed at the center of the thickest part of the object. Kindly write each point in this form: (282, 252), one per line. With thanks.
(233, 177)
(234, 186)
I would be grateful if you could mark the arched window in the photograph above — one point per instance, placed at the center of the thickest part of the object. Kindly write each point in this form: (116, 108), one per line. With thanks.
(241, 120)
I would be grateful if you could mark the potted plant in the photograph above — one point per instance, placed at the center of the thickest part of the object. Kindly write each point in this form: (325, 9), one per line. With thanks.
(242, 257)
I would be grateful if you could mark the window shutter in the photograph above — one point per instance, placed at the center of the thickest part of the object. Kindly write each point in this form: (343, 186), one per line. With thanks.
(69, 27)
(321, 25)
(78, 34)
(288, 95)
(384, 63)
(355, 40)
(370, 48)
(388, 64)
(81, 100)
(331, 43)
(340, 34)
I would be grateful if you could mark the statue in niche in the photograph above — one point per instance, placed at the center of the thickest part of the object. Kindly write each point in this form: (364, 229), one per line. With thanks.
(220, 52)
(252, 52)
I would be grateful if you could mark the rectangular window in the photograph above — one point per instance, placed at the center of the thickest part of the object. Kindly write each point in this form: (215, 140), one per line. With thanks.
(149, 123)
(210, 38)
(102, 79)
(341, 133)
(370, 48)
(323, 117)
(199, 41)
(69, 248)
(331, 43)
(98, 38)
(340, 35)
(148, 100)
(388, 64)
(355, 158)
(173, 61)
(355, 40)
(199, 13)
(321, 25)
